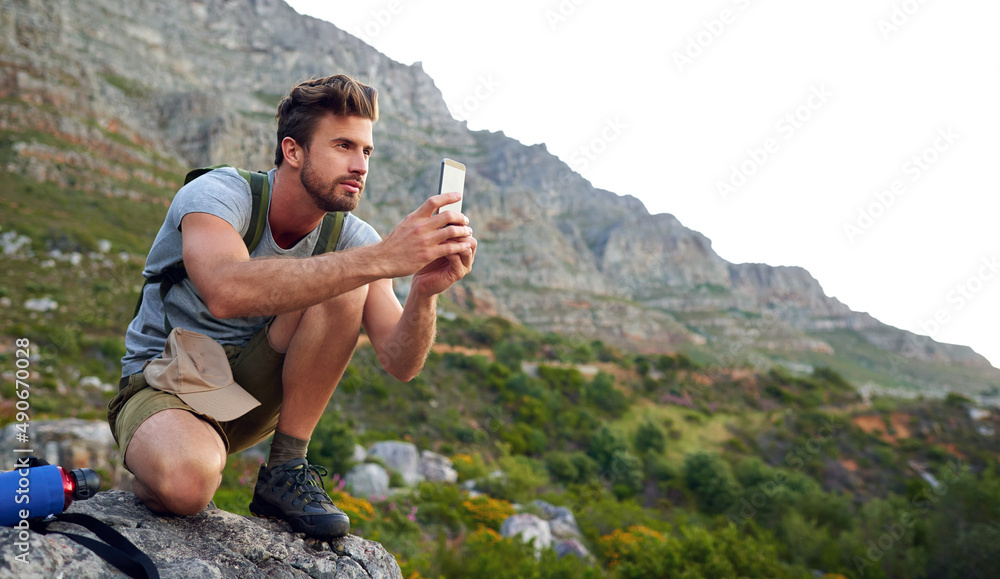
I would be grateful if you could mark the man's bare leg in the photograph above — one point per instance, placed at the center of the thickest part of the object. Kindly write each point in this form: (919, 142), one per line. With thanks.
(318, 343)
(177, 459)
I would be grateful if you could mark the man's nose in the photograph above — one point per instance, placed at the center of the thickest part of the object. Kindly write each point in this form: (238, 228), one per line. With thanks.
(359, 164)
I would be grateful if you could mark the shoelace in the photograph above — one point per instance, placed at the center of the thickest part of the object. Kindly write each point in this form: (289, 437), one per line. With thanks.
(301, 476)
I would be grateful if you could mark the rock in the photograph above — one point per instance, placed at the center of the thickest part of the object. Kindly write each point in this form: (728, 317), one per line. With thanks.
(41, 305)
(572, 547)
(436, 468)
(360, 454)
(95, 382)
(213, 543)
(72, 443)
(11, 243)
(528, 527)
(399, 456)
(562, 523)
(366, 480)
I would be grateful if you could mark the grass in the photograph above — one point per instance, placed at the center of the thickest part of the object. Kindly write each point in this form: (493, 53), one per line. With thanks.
(129, 87)
(698, 431)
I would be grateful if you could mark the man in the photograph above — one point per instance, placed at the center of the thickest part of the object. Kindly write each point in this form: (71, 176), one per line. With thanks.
(288, 327)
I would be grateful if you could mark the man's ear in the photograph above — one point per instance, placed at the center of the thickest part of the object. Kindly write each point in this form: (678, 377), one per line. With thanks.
(293, 152)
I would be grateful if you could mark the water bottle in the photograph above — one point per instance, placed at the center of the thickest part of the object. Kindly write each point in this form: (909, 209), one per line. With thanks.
(31, 492)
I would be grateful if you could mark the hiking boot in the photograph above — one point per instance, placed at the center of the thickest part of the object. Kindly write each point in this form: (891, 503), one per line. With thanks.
(294, 492)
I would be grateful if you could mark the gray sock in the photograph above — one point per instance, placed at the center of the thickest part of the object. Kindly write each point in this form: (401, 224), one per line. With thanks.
(285, 448)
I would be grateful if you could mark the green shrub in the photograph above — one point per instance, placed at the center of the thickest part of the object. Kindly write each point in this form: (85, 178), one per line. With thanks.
(332, 443)
(650, 438)
(709, 478)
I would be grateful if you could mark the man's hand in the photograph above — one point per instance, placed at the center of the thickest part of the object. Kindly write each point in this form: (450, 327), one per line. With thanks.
(435, 248)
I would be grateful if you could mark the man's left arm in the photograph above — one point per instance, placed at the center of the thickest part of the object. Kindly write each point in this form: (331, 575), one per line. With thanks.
(402, 336)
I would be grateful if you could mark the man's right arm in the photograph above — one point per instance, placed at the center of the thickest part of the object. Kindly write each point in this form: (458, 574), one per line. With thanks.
(233, 285)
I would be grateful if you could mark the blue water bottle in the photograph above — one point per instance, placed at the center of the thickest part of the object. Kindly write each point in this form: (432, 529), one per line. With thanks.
(36, 489)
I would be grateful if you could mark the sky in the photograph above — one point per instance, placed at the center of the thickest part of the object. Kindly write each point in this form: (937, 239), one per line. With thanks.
(859, 139)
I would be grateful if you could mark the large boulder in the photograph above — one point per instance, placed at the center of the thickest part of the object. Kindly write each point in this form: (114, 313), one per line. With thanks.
(213, 543)
(562, 523)
(399, 456)
(528, 527)
(71, 443)
(367, 480)
(436, 468)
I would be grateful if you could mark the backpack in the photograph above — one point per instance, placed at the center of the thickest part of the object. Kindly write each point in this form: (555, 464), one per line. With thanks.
(260, 191)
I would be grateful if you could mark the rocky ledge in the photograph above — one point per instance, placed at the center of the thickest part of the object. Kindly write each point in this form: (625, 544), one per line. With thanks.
(213, 543)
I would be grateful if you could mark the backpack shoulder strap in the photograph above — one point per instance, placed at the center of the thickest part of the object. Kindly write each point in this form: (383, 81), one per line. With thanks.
(329, 234)
(260, 193)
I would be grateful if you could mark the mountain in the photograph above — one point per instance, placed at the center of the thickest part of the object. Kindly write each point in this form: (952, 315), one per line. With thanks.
(105, 103)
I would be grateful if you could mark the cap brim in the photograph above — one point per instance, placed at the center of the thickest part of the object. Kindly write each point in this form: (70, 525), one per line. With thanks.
(222, 404)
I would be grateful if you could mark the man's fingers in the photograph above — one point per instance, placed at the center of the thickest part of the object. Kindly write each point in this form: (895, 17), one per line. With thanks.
(456, 232)
(438, 201)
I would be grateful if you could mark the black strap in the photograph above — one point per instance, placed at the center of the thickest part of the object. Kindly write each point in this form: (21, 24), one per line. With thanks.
(329, 234)
(116, 550)
(260, 194)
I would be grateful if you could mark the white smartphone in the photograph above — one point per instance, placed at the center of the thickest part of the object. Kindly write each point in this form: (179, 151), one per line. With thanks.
(452, 179)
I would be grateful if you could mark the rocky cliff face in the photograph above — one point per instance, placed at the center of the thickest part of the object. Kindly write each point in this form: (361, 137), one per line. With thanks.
(126, 94)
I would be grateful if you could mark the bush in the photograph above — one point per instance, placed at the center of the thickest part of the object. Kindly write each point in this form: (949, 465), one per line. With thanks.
(603, 446)
(709, 478)
(561, 467)
(332, 443)
(650, 438)
(469, 466)
(486, 554)
(602, 394)
(488, 512)
(519, 479)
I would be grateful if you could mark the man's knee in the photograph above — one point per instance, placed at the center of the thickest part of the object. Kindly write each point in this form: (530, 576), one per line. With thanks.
(185, 488)
(339, 312)
(177, 459)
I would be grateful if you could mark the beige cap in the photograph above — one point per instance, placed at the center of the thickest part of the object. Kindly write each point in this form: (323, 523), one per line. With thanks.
(196, 369)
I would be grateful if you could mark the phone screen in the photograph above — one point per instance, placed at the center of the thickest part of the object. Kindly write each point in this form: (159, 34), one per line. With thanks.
(452, 179)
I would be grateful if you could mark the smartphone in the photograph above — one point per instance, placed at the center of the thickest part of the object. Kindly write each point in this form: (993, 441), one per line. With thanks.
(452, 179)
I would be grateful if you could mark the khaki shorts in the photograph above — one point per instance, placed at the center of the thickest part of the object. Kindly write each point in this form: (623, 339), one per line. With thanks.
(256, 367)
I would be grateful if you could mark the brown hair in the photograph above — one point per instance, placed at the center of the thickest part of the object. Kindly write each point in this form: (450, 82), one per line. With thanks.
(307, 102)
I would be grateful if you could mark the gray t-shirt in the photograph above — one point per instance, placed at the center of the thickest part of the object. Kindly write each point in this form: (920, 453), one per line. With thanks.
(225, 194)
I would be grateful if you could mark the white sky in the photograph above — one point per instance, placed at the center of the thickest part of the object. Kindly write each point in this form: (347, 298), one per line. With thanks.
(665, 101)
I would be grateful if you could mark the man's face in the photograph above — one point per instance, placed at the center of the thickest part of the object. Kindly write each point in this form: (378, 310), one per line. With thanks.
(336, 162)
